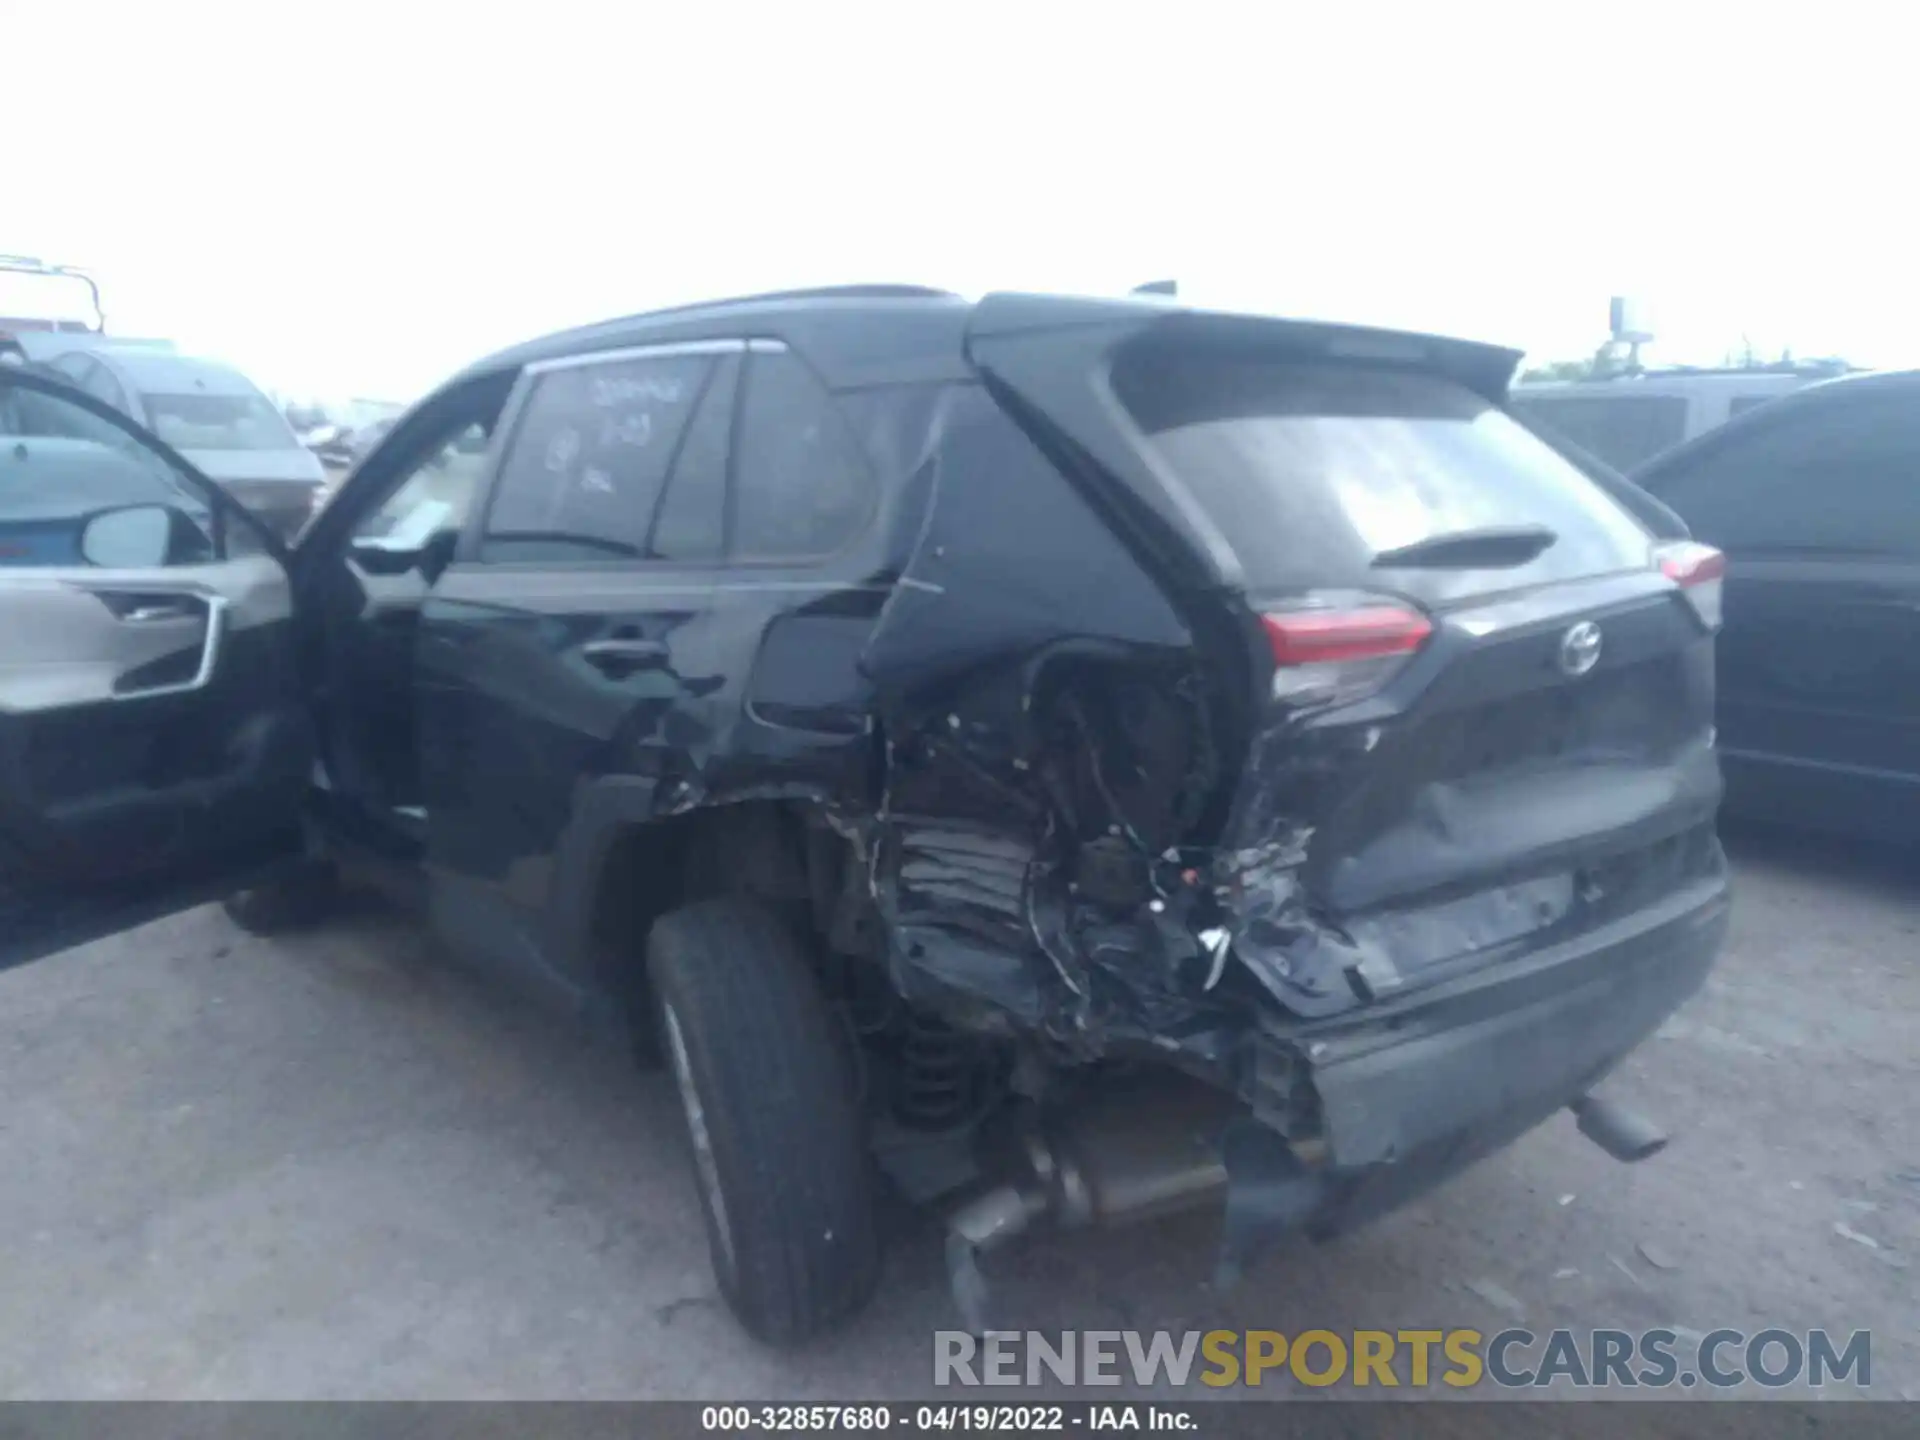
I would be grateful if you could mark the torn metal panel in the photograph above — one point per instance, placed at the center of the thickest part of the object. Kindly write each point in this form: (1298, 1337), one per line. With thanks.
(1278, 933)
(1044, 747)
(1482, 803)
(1011, 562)
(1084, 847)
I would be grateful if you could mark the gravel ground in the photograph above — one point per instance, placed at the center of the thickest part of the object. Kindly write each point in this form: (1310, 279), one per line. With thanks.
(337, 1166)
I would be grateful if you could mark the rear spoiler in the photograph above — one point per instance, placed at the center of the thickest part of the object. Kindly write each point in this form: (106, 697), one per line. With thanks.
(1487, 370)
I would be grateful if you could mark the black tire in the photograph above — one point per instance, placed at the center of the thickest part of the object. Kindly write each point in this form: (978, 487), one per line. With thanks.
(762, 1068)
(638, 1015)
(296, 900)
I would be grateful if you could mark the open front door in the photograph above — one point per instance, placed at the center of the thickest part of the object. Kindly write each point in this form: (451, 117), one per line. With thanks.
(155, 744)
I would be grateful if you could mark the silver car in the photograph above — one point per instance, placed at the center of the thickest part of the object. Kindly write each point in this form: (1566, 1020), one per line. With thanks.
(209, 412)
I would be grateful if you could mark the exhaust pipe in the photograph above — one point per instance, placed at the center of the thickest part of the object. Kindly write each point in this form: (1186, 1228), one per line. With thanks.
(1625, 1134)
(1133, 1154)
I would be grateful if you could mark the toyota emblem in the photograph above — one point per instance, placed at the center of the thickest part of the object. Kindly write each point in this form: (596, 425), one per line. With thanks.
(1580, 648)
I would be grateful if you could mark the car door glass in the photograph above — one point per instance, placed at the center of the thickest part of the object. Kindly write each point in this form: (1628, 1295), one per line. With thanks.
(64, 468)
(102, 385)
(94, 378)
(692, 521)
(73, 366)
(801, 488)
(435, 496)
(582, 475)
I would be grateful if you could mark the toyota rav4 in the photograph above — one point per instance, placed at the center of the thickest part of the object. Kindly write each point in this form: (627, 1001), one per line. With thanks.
(1069, 759)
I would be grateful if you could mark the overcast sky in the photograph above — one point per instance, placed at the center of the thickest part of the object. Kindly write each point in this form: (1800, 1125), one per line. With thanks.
(356, 198)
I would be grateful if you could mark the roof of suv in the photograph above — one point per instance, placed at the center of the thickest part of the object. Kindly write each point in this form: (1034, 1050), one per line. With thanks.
(870, 334)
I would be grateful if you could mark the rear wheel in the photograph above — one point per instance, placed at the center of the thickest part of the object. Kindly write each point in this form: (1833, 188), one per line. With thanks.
(778, 1146)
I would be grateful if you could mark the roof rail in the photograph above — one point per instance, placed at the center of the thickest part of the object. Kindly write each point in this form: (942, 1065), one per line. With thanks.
(833, 292)
(772, 297)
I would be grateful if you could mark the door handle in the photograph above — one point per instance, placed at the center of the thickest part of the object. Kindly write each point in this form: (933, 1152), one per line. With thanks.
(215, 607)
(149, 614)
(622, 657)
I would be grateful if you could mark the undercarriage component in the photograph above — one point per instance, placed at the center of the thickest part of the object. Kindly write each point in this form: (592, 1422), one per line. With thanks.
(939, 1078)
(1111, 871)
(1625, 1134)
(1133, 1152)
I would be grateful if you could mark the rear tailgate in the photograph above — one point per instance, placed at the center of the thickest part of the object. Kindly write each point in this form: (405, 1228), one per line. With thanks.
(1477, 791)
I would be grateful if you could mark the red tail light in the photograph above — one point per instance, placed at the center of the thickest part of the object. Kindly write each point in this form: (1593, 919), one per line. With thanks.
(1328, 652)
(1698, 570)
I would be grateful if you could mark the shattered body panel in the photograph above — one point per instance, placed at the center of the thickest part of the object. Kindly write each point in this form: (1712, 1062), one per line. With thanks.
(1005, 664)
(989, 838)
(1338, 917)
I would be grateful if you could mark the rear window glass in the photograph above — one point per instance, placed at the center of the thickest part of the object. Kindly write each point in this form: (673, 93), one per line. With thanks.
(218, 422)
(1623, 430)
(1312, 470)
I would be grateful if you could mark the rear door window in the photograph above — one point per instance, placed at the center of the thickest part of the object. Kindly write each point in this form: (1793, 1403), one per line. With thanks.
(802, 489)
(1311, 470)
(680, 458)
(584, 471)
(691, 521)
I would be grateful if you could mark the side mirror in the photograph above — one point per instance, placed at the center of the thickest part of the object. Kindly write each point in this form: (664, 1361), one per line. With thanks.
(383, 556)
(133, 537)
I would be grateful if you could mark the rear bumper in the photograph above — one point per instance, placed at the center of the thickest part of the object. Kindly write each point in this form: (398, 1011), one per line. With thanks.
(1419, 1090)
(1408, 1096)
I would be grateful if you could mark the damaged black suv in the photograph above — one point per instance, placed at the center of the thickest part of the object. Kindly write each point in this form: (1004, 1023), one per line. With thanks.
(1091, 757)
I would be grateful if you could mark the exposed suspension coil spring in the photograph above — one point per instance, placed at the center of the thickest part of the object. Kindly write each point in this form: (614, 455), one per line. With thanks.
(939, 1074)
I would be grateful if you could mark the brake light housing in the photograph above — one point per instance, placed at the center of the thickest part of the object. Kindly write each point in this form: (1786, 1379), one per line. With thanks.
(1337, 649)
(1700, 572)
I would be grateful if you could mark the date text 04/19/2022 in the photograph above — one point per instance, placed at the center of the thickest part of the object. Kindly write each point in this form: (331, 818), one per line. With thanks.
(742, 1419)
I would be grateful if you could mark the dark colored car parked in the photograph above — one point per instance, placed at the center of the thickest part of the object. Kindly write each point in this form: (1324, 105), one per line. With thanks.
(1097, 757)
(1815, 499)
